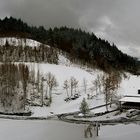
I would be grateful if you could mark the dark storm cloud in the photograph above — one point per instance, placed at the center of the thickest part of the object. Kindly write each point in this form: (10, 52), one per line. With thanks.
(115, 20)
(46, 12)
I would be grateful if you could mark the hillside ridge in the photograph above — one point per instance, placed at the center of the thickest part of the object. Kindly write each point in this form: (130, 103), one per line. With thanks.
(83, 46)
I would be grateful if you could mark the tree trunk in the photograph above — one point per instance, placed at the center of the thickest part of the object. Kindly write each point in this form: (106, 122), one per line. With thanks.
(67, 93)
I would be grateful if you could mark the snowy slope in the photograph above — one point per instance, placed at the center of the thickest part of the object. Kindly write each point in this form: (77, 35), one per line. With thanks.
(19, 42)
(130, 85)
(64, 71)
(62, 60)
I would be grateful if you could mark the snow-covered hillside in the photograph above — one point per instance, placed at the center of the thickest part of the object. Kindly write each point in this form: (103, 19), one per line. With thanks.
(64, 71)
(19, 42)
(129, 86)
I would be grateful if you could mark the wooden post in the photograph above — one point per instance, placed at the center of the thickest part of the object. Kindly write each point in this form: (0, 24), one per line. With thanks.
(97, 129)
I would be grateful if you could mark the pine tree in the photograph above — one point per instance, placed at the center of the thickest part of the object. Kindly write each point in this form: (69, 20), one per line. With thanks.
(84, 108)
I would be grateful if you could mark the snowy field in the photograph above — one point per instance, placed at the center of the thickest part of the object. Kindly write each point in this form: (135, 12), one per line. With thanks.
(54, 130)
(120, 132)
(63, 73)
(128, 86)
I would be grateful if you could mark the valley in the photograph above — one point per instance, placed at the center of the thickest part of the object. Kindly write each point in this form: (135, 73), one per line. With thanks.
(56, 87)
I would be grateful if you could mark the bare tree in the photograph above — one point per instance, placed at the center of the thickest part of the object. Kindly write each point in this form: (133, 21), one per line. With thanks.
(106, 89)
(91, 95)
(95, 85)
(73, 85)
(115, 78)
(99, 82)
(42, 91)
(111, 83)
(38, 80)
(66, 87)
(52, 83)
(13, 87)
(32, 79)
(85, 85)
(24, 74)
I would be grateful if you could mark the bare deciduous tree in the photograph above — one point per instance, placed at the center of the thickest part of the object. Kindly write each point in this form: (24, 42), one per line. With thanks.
(13, 87)
(66, 87)
(111, 83)
(95, 85)
(42, 91)
(85, 85)
(73, 85)
(106, 89)
(52, 83)
(24, 73)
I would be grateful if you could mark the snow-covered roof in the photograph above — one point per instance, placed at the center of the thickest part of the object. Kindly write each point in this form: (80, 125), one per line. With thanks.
(134, 99)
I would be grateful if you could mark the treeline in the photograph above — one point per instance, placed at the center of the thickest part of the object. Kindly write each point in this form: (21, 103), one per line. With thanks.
(41, 53)
(79, 44)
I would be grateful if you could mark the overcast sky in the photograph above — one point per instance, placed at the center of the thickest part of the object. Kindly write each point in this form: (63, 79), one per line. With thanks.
(115, 20)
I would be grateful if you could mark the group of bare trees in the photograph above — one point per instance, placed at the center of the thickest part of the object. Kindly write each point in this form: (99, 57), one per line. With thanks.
(71, 86)
(42, 53)
(107, 84)
(13, 85)
(41, 87)
(111, 83)
(17, 83)
(51, 84)
(96, 87)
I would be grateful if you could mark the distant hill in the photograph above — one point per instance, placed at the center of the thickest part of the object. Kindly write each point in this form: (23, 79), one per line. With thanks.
(78, 44)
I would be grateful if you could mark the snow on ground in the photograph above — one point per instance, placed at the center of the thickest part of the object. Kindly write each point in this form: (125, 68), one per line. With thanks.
(63, 73)
(130, 85)
(62, 60)
(109, 116)
(45, 129)
(54, 130)
(121, 132)
(59, 106)
(19, 42)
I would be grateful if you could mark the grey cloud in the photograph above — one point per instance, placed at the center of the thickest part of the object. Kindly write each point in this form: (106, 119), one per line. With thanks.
(47, 12)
